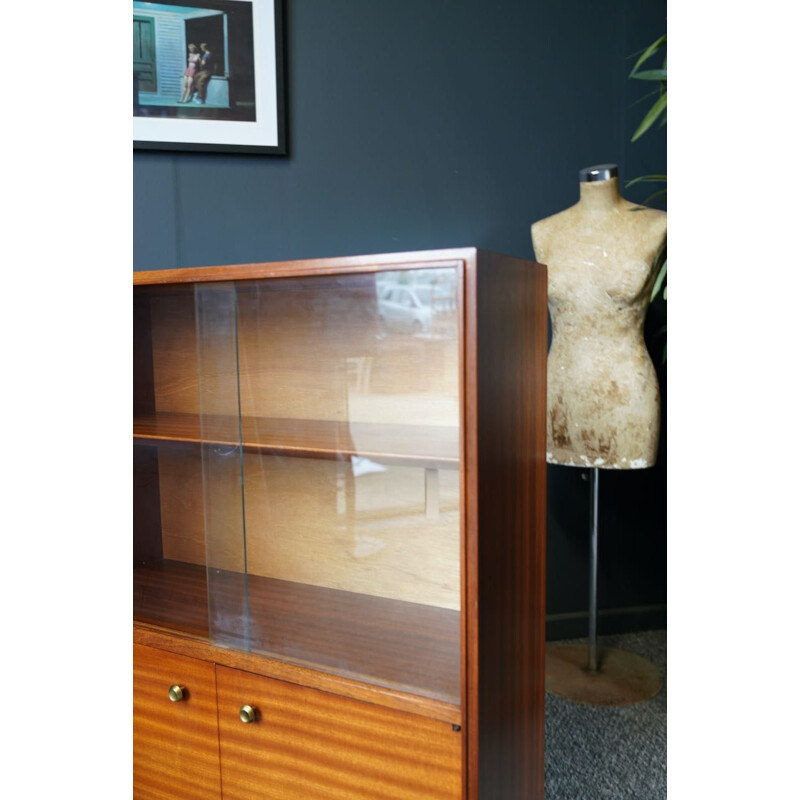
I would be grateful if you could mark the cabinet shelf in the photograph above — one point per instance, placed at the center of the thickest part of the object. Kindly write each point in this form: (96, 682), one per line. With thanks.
(405, 646)
(406, 445)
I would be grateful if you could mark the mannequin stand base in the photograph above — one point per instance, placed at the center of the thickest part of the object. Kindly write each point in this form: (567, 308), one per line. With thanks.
(621, 679)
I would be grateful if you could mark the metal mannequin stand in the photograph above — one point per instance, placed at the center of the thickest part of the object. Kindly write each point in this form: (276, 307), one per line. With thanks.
(609, 677)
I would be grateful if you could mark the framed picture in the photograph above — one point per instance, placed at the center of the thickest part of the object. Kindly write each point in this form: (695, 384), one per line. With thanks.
(208, 75)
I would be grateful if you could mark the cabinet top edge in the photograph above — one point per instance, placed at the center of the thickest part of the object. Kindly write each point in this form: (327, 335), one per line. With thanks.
(316, 266)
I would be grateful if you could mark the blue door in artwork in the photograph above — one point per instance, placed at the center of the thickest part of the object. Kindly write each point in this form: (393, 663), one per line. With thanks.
(144, 54)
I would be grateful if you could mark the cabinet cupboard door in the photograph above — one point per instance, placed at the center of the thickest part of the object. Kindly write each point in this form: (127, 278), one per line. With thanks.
(175, 743)
(308, 744)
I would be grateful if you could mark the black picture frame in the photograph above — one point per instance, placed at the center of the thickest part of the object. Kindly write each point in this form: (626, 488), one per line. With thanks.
(228, 57)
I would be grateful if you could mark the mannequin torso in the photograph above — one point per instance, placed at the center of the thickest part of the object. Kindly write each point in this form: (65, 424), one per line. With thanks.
(603, 396)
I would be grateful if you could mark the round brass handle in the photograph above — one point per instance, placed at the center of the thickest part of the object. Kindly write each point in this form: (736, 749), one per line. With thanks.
(177, 693)
(247, 714)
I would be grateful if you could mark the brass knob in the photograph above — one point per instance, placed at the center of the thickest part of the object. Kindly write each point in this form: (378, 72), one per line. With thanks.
(177, 693)
(247, 714)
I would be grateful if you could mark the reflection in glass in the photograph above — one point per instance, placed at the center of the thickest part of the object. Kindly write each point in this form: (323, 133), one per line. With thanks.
(221, 460)
(352, 485)
(304, 438)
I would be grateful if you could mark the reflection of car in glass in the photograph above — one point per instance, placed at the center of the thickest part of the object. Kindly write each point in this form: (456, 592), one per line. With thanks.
(405, 308)
(384, 288)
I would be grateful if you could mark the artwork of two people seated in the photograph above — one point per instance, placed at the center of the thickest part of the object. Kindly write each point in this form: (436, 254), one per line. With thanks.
(199, 69)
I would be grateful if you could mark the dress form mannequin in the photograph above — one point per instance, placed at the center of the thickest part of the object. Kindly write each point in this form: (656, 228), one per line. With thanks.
(603, 403)
(602, 392)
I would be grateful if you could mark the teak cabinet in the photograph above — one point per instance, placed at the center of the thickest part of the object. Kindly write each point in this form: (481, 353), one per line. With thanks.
(339, 529)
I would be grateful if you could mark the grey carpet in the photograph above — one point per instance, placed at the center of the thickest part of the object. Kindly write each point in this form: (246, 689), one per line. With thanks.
(620, 753)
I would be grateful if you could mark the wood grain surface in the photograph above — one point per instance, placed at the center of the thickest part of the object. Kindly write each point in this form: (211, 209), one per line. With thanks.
(467, 404)
(506, 397)
(309, 744)
(175, 745)
(406, 646)
(418, 445)
(318, 266)
(259, 664)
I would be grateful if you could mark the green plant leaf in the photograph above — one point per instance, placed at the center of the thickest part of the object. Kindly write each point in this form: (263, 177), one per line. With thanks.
(650, 75)
(647, 179)
(659, 107)
(662, 274)
(657, 113)
(646, 96)
(653, 196)
(658, 43)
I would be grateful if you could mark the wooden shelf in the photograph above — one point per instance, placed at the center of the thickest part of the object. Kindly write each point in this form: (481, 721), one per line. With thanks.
(404, 646)
(409, 445)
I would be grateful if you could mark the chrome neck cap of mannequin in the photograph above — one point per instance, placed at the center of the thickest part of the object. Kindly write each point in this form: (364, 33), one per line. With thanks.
(600, 172)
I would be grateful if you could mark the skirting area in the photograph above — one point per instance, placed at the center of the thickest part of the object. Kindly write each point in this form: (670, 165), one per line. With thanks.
(619, 753)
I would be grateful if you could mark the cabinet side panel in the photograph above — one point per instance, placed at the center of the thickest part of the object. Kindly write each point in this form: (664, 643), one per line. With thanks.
(175, 744)
(143, 389)
(147, 546)
(309, 744)
(511, 361)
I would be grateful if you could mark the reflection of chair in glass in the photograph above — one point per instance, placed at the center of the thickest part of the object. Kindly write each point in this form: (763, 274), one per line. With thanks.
(358, 368)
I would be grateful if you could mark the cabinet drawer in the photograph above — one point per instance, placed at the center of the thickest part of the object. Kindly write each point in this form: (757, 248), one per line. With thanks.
(309, 744)
(175, 743)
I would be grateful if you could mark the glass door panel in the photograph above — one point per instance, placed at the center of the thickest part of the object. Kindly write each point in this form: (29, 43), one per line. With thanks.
(350, 397)
(169, 576)
(298, 471)
(221, 463)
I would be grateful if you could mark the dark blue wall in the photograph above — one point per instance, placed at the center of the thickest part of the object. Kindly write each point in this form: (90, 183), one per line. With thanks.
(440, 123)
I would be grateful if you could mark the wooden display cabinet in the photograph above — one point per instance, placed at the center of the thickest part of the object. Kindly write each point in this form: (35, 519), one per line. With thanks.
(339, 529)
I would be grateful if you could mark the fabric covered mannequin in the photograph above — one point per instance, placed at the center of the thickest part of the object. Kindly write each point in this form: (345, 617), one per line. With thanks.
(602, 392)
